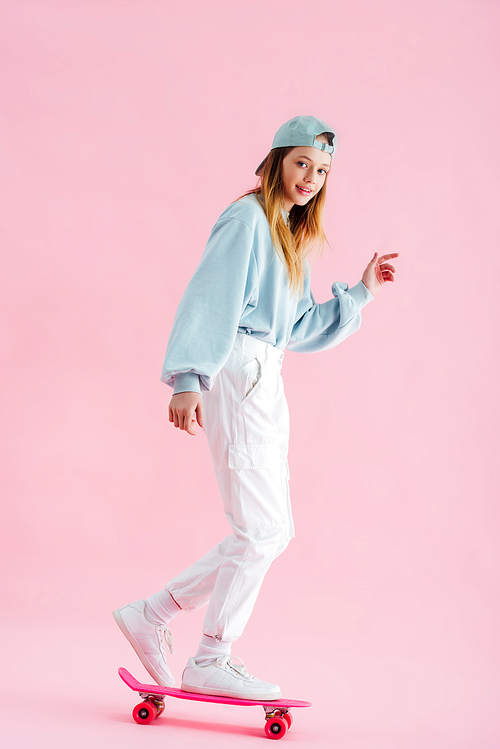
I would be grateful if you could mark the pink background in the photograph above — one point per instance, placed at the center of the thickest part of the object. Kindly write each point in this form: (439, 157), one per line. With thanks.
(126, 129)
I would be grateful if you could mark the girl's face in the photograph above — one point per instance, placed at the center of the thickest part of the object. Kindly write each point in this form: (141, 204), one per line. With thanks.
(304, 167)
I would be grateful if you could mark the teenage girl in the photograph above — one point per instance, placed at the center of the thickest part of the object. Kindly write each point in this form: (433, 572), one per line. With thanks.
(247, 301)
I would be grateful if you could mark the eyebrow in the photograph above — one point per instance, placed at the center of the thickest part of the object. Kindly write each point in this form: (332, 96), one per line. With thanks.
(307, 157)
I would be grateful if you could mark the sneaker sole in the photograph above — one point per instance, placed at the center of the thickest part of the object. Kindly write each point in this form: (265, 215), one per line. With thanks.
(147, 665)
(265, 697)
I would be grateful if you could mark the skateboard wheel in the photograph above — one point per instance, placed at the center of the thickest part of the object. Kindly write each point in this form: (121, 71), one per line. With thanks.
(144, 712)
(276, 728)
(289, 719)
(161, 708)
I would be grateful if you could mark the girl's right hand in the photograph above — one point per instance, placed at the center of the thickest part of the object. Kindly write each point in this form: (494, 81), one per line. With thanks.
(378, 272)
(182, 409)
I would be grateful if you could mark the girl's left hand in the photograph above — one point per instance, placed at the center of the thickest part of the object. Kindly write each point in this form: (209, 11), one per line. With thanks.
(378, 271)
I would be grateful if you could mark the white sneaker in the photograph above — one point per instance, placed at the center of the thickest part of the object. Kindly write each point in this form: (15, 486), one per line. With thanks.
(224, 678)
(148, 641)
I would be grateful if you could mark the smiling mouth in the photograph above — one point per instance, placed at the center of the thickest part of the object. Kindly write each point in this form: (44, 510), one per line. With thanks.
(303, 190)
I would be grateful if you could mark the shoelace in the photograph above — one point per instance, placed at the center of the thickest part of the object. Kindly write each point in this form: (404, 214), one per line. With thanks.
(168, 637)
(241, 670)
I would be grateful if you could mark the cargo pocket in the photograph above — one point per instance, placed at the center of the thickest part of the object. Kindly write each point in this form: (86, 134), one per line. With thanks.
(256, 485)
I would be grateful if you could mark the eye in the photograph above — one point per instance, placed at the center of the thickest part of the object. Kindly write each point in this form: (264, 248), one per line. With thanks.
(303, 162)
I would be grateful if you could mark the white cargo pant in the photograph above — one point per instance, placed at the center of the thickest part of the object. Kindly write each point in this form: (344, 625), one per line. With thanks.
(247, 425)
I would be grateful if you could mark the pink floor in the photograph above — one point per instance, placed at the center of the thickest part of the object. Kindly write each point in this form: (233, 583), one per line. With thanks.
(364, 696)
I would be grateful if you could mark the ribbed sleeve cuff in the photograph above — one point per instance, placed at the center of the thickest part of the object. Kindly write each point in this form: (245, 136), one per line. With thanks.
(187, 382)
(360, 294)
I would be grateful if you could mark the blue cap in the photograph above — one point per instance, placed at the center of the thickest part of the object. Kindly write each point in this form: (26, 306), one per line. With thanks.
(302, 131)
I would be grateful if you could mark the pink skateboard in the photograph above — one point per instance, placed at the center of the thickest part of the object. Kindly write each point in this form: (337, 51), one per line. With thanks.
(278, 715)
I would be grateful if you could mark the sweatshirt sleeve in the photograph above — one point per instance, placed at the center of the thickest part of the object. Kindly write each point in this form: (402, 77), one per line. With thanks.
(322, 326)
(208, 315)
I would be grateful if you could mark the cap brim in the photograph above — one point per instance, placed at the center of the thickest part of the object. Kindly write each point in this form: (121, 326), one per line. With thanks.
(259, 168)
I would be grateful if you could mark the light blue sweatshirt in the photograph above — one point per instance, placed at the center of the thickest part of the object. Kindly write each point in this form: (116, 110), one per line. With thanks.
(241, 285)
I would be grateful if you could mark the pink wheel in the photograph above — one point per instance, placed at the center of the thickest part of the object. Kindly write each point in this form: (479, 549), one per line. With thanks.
(289, 719)
(276, 728)
(144, 712)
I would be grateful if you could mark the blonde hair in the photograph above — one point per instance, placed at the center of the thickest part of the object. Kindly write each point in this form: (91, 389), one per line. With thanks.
(295, 242)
